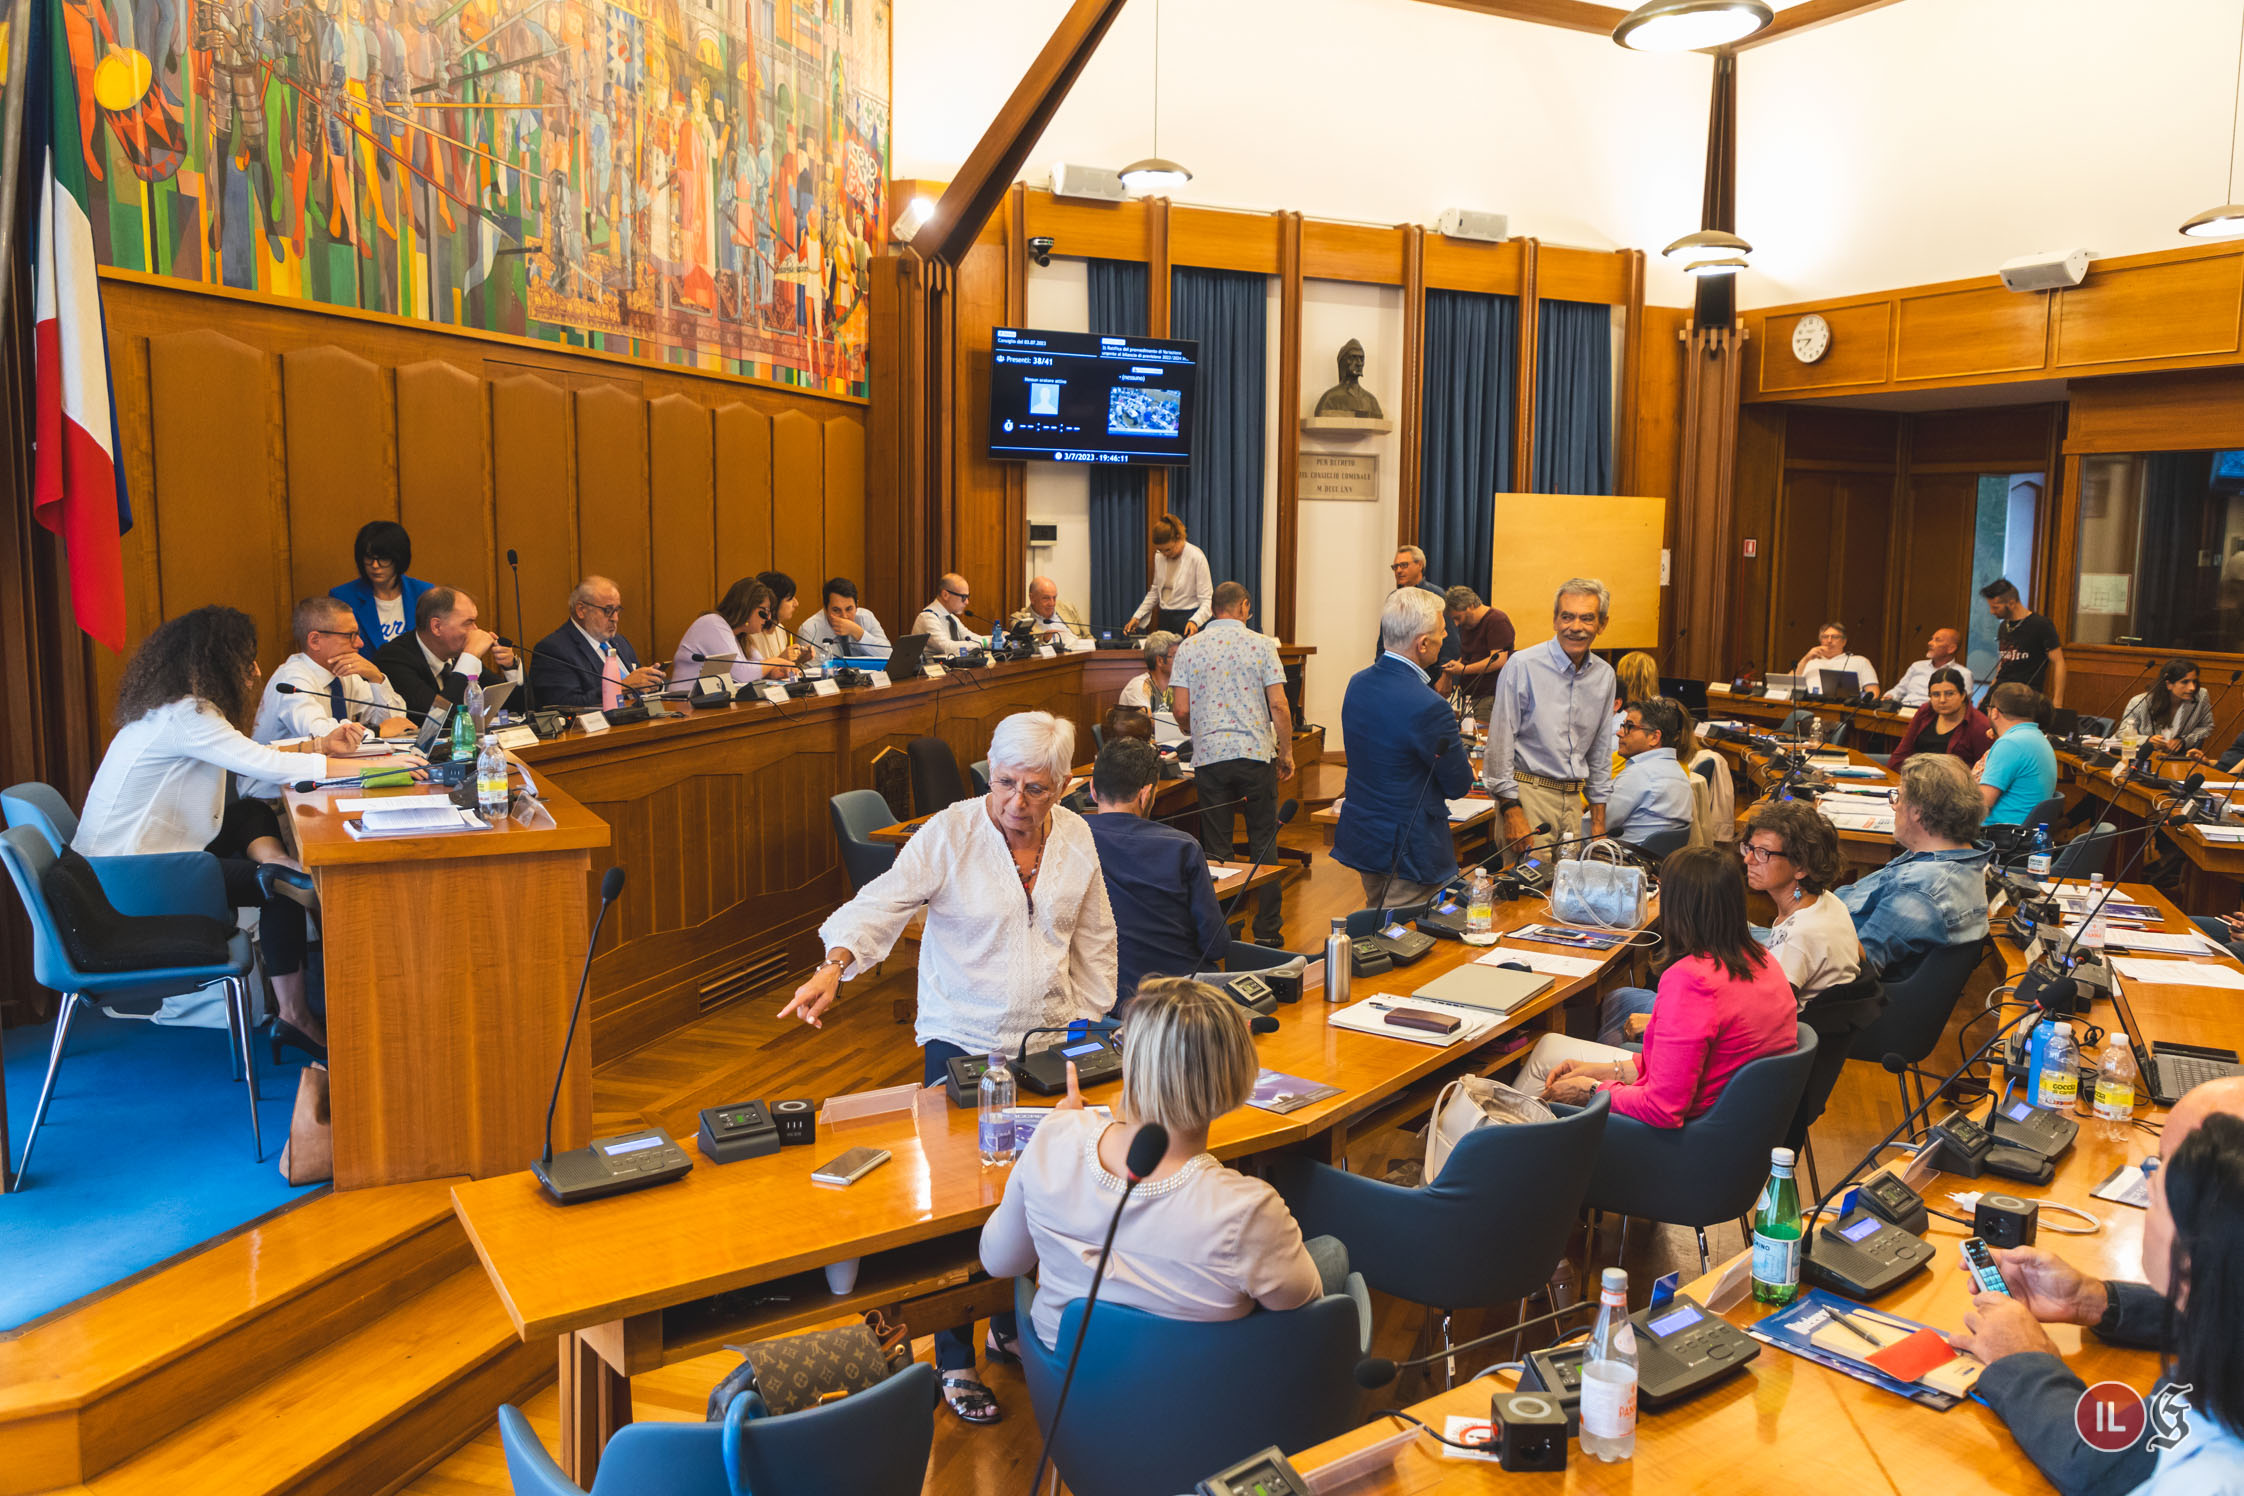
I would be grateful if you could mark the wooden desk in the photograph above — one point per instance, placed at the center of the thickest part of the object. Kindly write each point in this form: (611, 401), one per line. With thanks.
(1474, 837)
(1863, 850)
(1790, 1421)
(720, 820)
(2216, 868)
(639, 1281)
(451, 963)
(1873, 722)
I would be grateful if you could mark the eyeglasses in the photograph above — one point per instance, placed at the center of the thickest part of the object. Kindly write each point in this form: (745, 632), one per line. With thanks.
(1634, 727)
(1755, 852)
(961, 596)
(1027, 789)
(612, 610)
(337, 633)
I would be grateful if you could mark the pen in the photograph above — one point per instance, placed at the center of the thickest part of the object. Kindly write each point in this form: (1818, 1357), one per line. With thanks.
(1846, 1319)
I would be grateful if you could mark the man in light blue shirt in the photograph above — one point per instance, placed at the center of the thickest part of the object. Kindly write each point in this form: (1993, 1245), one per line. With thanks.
(2020, 771)
(841, 629)
(1550, 726)
(1652, 793)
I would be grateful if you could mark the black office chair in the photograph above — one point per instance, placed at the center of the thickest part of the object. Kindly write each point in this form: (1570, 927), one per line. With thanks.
(1796, 722)
(2086, 853)
(1712, 1167)
(1837, 1014)
(1488, 1229)
(2045, 814)
(857, 814)
(1704, 768)
(1918, 1007)
(936, 781)
(2095, 727)
(1837, 737)
(1654, 848)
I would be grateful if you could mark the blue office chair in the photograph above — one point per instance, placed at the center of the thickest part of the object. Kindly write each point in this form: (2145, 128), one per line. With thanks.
(173, 883)
(979, 772)
(936, 781)
(1795, 723)
(1488, 1230)
(1660, 843)
(857, 814)
(1712, 1167)
(870, 1443)
(2095, 727)
(1198, 1395)
(2086, 853)
(34, 804)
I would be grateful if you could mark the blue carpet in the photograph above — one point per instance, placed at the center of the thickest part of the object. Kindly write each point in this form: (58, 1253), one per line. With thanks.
(145, 1154)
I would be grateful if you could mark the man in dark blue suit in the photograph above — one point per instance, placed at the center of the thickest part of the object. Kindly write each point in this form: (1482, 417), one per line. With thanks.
(1166, 919)
(576, 664)
(1405, 761)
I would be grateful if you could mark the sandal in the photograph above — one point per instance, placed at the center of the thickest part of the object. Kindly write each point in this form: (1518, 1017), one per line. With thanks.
(969, 1399)
(1002, 1350)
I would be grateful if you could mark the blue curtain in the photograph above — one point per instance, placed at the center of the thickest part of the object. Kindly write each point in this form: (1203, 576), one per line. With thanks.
(1119, 546)
(1574, 398)
(1472, 356)
(1219, 496)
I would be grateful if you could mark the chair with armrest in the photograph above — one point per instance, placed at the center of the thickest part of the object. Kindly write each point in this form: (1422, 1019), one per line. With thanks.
(1712, 1167)
(1245, 956)
(979, 772)
(2086, 853)
(1210, 1393)
(857, 814)
(1656, 846)
(1917, 1010)
(2047, 813)
(870, 1443)
(153, 885)
(936, 781)
(1487, 1230)
(34, 804)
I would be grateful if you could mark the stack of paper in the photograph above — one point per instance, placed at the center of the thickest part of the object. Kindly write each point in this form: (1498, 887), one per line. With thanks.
(2179, 973)
(408, 815)
(1468, 807)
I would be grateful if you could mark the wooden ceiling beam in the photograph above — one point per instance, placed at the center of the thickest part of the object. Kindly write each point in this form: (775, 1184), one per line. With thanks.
(1808, 15)
(1573, 15)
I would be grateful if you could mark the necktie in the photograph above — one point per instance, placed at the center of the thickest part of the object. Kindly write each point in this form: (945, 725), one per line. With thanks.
(335, 699)
(611, 679)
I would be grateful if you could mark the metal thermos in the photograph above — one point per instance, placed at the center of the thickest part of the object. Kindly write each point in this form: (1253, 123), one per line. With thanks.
(1340, 962)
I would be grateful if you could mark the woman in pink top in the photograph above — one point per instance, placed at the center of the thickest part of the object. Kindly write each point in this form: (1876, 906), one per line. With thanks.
(1723, 1002)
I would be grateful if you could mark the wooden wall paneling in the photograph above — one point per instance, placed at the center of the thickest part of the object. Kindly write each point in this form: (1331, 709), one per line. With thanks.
(1095, 231)
(1860, 353)
(982, 550)
(1462, 265)
(1757, 491)
(1859, 551)
(895, 450)
(2160, 310)
(2157, 412)
(530, 475)
(797, 480)
(1997, 439)
(682, 555)
(1826, 434)
(845, 519)
(1978, 330)
(1223, 239)
(443, 488)
(1657, 431)
(1631, 378)
(1289, 419)
(1014, 518)
(335, 426)
(743, 502)
(1354, 252)
(1941, 513)
(1566, 274)
(614, 524)
(1530, 362)
(222, 534)
(1807, 565)
(1411, 438)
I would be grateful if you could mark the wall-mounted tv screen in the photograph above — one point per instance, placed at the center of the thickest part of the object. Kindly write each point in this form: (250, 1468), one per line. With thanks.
(1086, 397)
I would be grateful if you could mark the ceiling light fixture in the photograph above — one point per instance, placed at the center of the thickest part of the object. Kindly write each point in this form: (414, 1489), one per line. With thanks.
(1730, 266)
(2226, 221)
(1156, 174)
(913, 219)
(1696, 245)
(1691, 25)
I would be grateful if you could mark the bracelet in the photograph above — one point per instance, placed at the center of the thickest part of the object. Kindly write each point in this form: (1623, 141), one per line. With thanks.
(837, 965)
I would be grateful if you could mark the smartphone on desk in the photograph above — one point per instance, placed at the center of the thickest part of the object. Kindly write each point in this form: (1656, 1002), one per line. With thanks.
(850, 1167)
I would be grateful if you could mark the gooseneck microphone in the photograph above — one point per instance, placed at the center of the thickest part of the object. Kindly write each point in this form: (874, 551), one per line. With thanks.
(1147, 1149)
(514, 564)
(285, 688)
(1377, 1371)
(611, 888)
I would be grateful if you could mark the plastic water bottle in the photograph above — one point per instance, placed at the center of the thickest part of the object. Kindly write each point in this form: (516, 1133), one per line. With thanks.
(997, 1112)
(2059, 1086)
(1340, 962)
(1609, 1375)
(997, 639)
(1815, 732)
(2115, 1083)
(2096, 932)
(465, 719)
(2040, 859)
(490, 779)
(1480, 908)
(1776, 1234)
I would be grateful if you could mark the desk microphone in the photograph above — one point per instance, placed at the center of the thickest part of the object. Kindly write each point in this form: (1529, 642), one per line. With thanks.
(285, 688)
(1378, 1371)
(1147, 1149)
(514, 564)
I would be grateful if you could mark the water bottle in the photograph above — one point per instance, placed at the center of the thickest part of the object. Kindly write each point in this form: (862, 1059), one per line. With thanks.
(997, 1112)
(490, 779)
(2040, 858)
(464, 725)
(2095, 932)
(2115, 1083)
(1609, 1375)
(997, 639)
(1340, 962)
(1480, 908)
(1777, 1233)
(1815, 732)
(2059, 1085)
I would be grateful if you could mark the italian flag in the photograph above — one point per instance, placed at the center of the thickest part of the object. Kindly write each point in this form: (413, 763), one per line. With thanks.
(76, 492)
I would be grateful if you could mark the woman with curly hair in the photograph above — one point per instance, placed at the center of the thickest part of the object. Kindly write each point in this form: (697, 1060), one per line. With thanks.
(184, 708)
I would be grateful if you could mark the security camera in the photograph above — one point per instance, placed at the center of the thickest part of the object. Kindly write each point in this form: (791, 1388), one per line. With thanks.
(1040, 250)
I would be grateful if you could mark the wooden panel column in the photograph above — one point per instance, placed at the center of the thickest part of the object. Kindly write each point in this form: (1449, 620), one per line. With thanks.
(1530, 360)
(1289, 419)
(1705, 567)
(1411, 472)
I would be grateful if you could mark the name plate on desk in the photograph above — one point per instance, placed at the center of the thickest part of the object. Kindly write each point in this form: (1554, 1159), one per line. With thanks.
(775, 694)
(512, 738)
(1045, 652)
(592, 721)
(827, 687)
(934, 671)
(876, 679)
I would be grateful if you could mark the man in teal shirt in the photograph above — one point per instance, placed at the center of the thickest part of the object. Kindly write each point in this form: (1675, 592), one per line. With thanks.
(2020, 770)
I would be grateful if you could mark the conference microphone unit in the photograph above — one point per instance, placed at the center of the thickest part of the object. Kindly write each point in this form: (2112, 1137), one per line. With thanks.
(605, 1166)
(286, 688)
(635, 707)
(1147, 1150)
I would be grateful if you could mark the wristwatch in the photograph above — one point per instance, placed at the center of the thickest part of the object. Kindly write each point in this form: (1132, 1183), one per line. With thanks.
(1506, 807)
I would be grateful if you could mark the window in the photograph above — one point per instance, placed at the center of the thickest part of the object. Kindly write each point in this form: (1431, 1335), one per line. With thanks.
(2161, 551)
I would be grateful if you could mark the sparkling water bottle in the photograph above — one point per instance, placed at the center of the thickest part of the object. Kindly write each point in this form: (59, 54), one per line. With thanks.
(1609, 1375)
(490, 779)
(1776, 1234)
(997, 1112)
(463, 725)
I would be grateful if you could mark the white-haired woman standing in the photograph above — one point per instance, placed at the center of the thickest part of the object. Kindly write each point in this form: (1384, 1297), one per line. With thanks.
(1019, 936)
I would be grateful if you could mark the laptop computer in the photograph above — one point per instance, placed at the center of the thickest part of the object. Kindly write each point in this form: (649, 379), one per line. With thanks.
(904, 657)
(1840, 685)
(1691, 693)
(1489, 989)
(2169, 1070)
(433, 732)
(1792, 685)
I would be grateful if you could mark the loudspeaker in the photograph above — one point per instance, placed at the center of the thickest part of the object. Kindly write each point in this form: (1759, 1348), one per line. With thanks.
(1465, 223)
(1071, 180)
(2049, 270)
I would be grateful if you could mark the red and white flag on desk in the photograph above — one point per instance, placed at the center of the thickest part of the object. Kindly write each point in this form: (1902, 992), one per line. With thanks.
(77, 491)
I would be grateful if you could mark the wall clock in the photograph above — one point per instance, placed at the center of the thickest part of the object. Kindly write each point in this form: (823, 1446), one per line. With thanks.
(1811, 338)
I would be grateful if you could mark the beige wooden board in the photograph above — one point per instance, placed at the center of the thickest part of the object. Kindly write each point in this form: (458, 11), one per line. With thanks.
(1544, 539)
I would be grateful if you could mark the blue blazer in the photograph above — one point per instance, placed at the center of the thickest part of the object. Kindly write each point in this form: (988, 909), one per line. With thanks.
(1398, 733)
(361, 599)
(565, 670)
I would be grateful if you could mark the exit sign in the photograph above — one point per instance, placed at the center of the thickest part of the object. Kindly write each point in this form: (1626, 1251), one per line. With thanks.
(1752, 548)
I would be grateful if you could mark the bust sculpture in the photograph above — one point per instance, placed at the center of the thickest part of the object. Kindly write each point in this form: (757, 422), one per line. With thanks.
(1349, 397)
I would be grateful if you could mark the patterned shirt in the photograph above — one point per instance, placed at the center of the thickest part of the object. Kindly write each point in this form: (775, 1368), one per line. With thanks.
(1224, 670)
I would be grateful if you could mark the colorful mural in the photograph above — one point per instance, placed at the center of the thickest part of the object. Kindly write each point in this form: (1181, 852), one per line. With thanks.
(697, 182)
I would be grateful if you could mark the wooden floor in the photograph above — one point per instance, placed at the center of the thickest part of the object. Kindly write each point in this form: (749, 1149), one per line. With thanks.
(744, 1051)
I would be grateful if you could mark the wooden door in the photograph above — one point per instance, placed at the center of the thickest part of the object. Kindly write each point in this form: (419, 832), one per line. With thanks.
(1942, 517)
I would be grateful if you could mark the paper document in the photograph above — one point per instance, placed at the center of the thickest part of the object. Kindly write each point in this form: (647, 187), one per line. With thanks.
(1370, 1017)
(1468, 807)
(386, 804)
(377, 823)
(2220, 833)
(1549, 963)
(2167, 942)
(1228, 875)
(2179, 973)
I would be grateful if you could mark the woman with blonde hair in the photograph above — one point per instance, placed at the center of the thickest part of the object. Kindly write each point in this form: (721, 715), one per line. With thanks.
(1197, 1240)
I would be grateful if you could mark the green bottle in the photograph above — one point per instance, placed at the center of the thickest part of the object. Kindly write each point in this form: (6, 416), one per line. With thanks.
(463, 734)
(1776, 1234)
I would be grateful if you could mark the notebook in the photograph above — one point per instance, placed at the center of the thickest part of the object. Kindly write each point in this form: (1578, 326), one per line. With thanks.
(1486, 989)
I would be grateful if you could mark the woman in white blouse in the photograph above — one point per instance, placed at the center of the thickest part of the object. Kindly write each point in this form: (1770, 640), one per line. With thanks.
(186, 699)
(1019, 936)
(1792, 854)
(1198, 1240)
(743, 615)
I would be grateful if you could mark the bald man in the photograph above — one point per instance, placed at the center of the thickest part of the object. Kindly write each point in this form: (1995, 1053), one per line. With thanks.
(942, 620)
(1915, 686)
(1046, 615)
(587, 663)
(2026, 1383)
